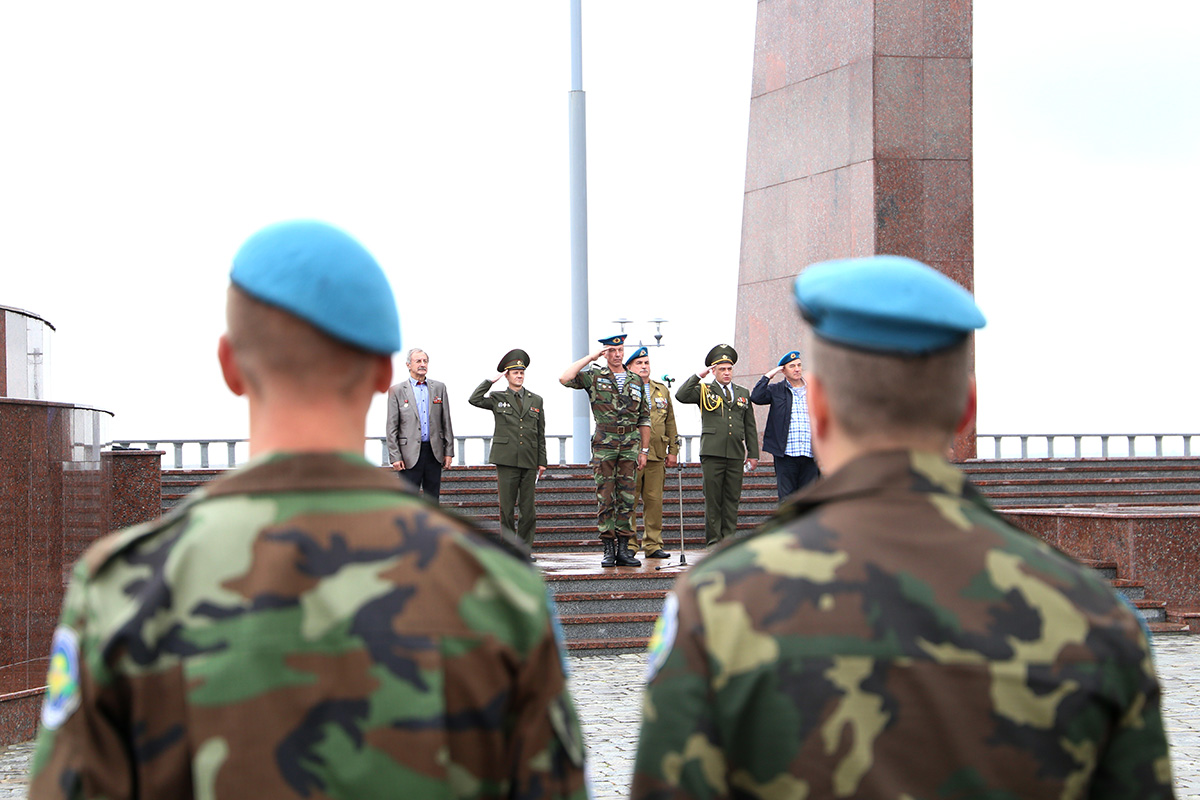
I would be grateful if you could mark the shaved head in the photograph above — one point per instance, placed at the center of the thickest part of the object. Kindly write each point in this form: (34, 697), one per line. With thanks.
(874, 395)
(272, 347)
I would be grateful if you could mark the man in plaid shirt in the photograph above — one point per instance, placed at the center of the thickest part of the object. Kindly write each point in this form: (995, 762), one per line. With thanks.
(786, 435)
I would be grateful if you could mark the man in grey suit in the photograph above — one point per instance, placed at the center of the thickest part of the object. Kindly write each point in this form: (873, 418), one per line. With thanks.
(519, 444)
(419, 434)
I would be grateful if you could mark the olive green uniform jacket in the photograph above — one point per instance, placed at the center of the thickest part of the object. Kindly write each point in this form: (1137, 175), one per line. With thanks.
(726, 430)
(520, 436)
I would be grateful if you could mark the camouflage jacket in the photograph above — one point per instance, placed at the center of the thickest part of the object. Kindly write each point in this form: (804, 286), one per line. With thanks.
(306, 627)
(610, 405)
(887, 635)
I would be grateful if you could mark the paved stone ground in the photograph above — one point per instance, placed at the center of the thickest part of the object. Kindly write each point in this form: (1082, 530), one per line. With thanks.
(608, 692)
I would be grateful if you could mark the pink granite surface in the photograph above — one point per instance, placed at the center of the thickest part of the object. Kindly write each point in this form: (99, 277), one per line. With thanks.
(51, 503)
(1160, 547)
(859, 143)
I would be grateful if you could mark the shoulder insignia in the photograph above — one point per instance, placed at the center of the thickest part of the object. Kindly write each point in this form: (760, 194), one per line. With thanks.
(663, 639)
(62, 681)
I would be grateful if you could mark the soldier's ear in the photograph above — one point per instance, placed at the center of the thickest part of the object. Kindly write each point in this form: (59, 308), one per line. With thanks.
(968, 414)
(818, 407)
(383, 374)
(230, 370)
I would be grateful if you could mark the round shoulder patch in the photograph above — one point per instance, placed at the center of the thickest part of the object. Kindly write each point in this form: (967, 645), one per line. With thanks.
(663, 640)
(62, 681)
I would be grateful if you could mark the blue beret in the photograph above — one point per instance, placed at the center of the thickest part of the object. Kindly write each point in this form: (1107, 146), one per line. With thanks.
(320, 274)
(614, 341)
(886, 304)
(641, 351)
(789, 358)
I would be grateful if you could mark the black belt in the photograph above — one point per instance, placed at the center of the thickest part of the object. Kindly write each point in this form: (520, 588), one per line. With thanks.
(617, 429)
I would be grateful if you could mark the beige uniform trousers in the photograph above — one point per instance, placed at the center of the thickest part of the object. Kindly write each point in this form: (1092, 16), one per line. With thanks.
(649, 489)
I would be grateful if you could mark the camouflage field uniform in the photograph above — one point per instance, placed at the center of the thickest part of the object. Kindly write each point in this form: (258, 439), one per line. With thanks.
(887, 635)
(615, 444)
(306, 627)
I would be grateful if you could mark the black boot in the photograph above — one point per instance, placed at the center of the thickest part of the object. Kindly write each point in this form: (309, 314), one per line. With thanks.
(624, 557)
(610, 553)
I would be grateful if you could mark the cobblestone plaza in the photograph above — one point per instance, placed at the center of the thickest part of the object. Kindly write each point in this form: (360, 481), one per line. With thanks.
(608, 692)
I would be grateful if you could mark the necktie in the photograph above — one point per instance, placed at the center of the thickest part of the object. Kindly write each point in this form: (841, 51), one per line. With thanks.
(728, 398)
(517, 403)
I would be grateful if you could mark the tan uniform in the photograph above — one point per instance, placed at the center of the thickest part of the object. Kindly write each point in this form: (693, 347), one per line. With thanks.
(664, 441)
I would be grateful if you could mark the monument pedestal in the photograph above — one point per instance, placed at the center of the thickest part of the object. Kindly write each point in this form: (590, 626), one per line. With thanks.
(859, 144)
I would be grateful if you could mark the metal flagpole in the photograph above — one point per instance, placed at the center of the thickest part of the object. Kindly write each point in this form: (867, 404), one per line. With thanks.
(580, 410)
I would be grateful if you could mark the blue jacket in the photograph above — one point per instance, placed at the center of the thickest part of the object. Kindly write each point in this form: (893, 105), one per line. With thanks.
(779, 397)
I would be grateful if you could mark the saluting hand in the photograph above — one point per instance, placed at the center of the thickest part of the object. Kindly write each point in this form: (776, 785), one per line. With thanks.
(774, 372)
(704, 374)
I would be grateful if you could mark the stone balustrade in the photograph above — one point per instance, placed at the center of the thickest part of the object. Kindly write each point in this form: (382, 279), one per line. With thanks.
(475, 450)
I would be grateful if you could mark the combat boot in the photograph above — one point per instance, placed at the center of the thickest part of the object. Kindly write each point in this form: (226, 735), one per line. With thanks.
(610, 552)
(624, 557)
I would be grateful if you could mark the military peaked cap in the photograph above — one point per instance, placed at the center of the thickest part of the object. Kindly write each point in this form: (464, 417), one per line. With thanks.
(886, 304)
(615, 341)
(513, 359)
(322, 275)
(720, 354)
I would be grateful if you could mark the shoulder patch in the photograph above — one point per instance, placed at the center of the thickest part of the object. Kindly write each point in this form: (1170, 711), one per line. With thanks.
(663, 640)
(62, 681)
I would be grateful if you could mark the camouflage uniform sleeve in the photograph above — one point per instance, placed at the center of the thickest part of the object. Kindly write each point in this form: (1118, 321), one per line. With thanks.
(1136, 761)
(678, 753)
(548, 747)
(582, 380)
(81, 749)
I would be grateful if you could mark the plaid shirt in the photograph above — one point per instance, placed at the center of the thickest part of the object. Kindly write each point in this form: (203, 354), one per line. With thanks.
(799, 441)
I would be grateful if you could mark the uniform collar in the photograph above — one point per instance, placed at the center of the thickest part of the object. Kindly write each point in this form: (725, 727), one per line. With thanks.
(278, 472)
(900, 471)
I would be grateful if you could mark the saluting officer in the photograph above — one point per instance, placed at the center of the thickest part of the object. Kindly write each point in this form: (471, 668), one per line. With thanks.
(664, 449)
(622, 427)
(518, 443)
(728, 439)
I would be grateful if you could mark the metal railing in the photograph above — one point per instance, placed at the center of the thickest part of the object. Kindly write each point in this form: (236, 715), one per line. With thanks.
(227, 453)
(1084, 445)
(475, 450)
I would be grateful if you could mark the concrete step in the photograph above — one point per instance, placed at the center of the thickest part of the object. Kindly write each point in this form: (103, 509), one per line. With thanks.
(607, 626)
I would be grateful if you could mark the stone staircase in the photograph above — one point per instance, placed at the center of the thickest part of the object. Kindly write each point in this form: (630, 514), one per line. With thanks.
(1060, 483)
(613, 610)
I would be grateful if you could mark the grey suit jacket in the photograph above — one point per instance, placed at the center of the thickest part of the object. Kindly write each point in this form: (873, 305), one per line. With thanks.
(404, 425)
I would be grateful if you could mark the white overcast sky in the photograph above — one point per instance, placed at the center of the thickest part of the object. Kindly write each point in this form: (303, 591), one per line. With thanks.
(142, 142)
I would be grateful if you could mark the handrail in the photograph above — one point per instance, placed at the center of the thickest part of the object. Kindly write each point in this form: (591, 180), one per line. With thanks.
(198, 453)
(475, 450)
(1084, 445)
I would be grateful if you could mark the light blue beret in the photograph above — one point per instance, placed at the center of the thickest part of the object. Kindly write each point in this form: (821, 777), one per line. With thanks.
(641, 351)
(886, 304)
(789, 358)
(323, 276)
